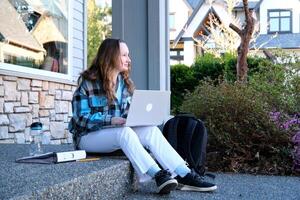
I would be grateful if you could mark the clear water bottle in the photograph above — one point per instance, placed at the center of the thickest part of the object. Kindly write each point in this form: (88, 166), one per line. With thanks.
(36, 130)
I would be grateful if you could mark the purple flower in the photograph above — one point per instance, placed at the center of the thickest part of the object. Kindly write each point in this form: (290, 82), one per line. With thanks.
(296, 139)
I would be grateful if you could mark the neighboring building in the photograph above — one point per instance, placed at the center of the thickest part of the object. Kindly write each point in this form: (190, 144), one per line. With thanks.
(281, 17)
(179, 12)
(43, 47)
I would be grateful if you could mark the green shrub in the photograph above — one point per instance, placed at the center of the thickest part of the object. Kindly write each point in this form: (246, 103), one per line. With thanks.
(211, 67)
(241, 135)
(230, 61)
(280, 86)
(208, 66)
(182, 80)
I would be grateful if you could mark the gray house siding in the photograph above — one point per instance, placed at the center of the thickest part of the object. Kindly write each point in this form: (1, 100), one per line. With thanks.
(78, 38)
(143, 25)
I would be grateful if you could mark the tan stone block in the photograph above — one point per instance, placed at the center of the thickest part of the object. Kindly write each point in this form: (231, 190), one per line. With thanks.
(58, 117)
(44, 113)
(1, 80)
(9, 78)
(1, 90)
(8, 141)
(45, 85)
(36, 83)
(1, 105)
(61, 86)
(28, 119)
(24, 98)
(10, 91)
(36, 89)
(17, 122)
(68, 87)
(35, 110)
(8, 107)
(20, 138)
(22, 109)
(4, 132)
(67, 95)
(33, 97)
(46, 101)
(23, 84)
(61, 107)
(46, 123)
(58, 94)
(4, 120)
(57, 130)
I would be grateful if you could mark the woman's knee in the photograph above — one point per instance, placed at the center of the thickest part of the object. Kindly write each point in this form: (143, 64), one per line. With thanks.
(154, 131)
(150, 135)
(127, 134)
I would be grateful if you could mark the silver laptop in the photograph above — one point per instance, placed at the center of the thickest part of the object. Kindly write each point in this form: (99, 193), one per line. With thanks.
(148, 107)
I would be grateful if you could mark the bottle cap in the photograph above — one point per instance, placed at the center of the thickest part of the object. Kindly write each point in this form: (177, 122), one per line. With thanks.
(36, 126)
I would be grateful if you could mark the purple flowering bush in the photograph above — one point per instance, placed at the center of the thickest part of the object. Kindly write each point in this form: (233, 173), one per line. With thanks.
(244, 135)
(242, 138)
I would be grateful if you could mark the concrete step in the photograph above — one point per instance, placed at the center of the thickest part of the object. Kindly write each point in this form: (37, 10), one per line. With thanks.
(107, 178)
(231, 186)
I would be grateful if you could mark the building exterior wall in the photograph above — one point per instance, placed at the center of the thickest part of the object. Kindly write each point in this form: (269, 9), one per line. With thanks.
(294, 5)
(23, 101)
(146, 33)
(181, 13)
(27, 97)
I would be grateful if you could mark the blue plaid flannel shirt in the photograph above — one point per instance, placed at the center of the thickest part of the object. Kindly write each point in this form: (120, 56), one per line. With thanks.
(91, 110)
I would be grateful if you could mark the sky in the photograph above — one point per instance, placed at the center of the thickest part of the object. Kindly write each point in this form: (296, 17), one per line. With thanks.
(102, 3)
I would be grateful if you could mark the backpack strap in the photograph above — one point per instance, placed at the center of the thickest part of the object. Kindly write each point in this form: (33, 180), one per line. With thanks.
(172, 132)
(199, 161)
(188, 135)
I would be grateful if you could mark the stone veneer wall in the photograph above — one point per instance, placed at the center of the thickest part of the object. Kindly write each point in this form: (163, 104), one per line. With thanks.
(23, 101)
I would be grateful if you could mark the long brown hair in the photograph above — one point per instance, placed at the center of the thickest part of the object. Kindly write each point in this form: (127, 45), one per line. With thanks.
(103, 66)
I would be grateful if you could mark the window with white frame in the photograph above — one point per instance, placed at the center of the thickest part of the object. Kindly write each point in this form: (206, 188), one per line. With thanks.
(172, 26)
(34, 35)
(280, 21)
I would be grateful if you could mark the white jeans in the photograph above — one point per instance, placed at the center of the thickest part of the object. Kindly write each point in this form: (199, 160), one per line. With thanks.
(131, 141)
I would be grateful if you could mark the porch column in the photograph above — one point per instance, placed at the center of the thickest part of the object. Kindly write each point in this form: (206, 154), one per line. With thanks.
(189, 53)
(143, 24)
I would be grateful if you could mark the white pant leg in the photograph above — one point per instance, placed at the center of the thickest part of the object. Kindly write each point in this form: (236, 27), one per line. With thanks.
(109, 140)
(152, 138)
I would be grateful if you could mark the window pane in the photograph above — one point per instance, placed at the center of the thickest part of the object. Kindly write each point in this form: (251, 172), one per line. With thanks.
(274, 25)
(285, 13)
(173, 53)
(36, 34)
(172, 21)
(285, 24)
(274, 14)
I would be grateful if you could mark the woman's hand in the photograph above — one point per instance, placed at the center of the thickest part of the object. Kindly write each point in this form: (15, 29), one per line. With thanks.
(118, 120)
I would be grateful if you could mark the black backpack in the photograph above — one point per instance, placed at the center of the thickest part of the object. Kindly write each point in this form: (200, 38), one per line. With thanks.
(188, 136)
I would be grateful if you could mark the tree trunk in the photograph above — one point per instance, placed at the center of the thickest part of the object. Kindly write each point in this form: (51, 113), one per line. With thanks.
(243, 49)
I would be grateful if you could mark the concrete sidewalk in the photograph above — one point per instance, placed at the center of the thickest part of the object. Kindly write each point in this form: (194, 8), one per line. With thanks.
(112, 178)
(231, 187)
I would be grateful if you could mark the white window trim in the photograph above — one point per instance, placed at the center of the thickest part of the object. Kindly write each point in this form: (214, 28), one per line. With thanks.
(27, 72)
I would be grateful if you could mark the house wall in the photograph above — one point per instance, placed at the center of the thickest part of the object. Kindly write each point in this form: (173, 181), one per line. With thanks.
(181, 11)
(273, 4)
(27, 98)
(187, 37)
(146, 33)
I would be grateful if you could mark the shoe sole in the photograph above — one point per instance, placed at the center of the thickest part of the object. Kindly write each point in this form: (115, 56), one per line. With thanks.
(167, 187)
(197, 189)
